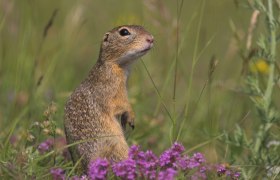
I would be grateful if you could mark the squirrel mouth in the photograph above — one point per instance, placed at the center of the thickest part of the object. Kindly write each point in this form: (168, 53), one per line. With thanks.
(147, 48)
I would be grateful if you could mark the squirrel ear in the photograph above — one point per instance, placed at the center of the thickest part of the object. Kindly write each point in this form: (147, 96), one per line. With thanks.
(105, 38)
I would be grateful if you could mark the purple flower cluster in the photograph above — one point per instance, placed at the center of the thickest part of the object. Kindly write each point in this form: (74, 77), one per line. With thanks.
(171, 157)
(147, 162)
(125, 169)
(57, 174)
(83, 177)
(146, 165)
(45, 146)
(174, 158)
(223, 170)
(167, 174)
(98, 169)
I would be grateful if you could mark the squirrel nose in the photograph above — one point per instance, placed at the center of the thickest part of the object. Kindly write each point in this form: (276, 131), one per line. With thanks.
(150, 39)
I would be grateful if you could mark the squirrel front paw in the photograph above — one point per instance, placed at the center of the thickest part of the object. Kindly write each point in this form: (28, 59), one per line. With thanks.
(127, 118)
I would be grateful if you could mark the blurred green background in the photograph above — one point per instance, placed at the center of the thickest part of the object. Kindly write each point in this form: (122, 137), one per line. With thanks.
(38, 68)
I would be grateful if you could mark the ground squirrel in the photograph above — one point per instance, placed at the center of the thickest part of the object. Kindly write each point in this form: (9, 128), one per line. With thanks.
(92, 111)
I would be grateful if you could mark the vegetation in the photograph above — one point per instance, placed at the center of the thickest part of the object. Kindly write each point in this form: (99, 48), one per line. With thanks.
(211, 82)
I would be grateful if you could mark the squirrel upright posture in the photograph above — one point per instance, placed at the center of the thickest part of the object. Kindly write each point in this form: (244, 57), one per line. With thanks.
(92, 111)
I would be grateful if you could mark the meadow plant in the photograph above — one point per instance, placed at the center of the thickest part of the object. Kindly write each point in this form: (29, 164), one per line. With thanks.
(98, 169)
(57, 174)
(172, 163)
(125, 169)
(260, 76)
(169, 173)
(45, 146)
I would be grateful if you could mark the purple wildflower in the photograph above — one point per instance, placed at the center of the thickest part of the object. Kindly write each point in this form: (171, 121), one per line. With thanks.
(166, 159)
(198, 176)
(167, 174)
(224, 170)
(199, 157)
(13, 139)
(203, 169)
(193, 162)
(177, 148)
(98, 169)
(170, 157)
(135, 153)
(74, 178)
(228, 173)
(147, 162)
(83, 177)
(146, 165)
(183, 162)
(45, 146)
(57, 174)
(125, 169)
(149, 165)
(236, 175)
(221, 170)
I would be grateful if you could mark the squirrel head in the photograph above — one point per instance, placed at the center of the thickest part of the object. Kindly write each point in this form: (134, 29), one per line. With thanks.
(124, 44)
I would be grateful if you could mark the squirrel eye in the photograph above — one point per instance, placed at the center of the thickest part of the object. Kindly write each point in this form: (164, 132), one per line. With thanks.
(124, 32)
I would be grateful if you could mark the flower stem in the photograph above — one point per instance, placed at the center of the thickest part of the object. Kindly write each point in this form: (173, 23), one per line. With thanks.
(264, 128)
(270, 83)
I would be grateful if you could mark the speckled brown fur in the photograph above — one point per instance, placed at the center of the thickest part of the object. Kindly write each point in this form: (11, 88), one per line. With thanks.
(92, 110)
